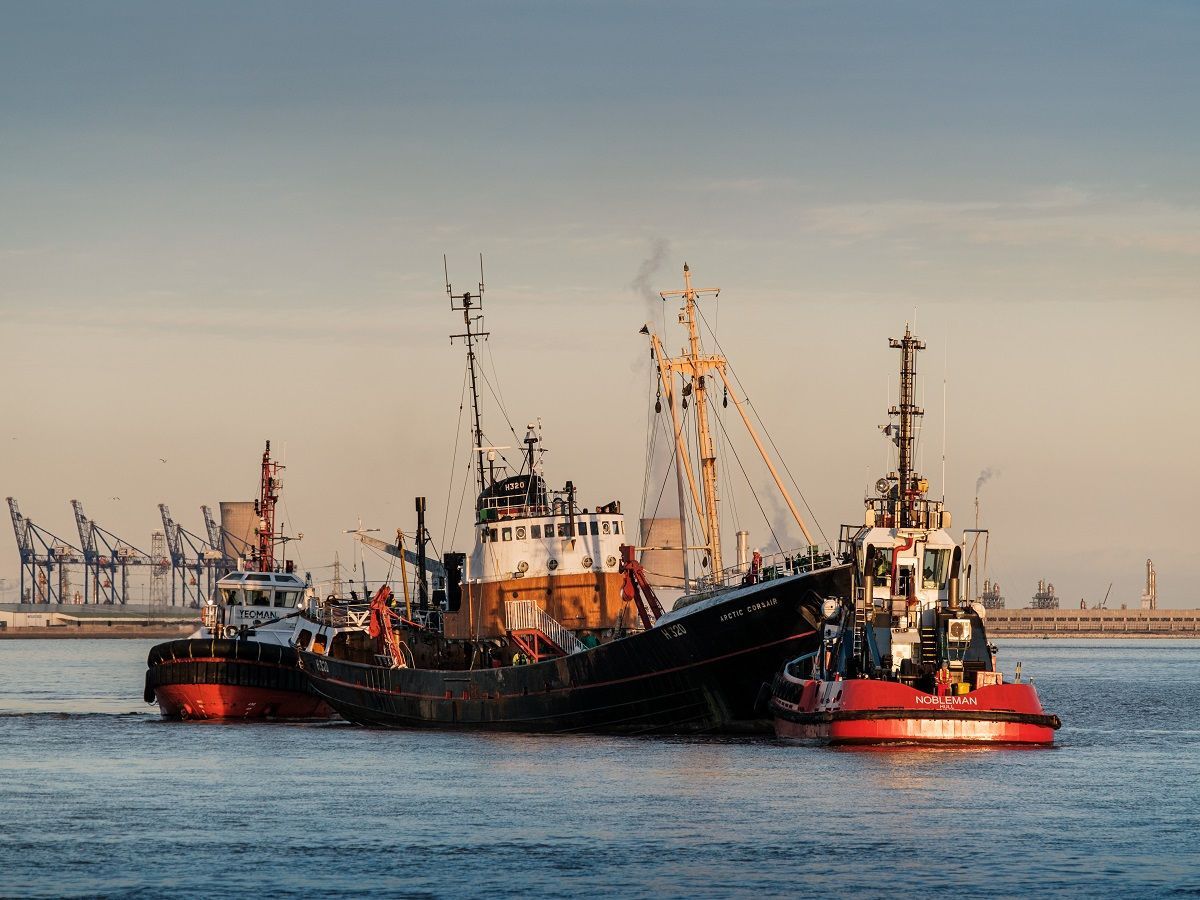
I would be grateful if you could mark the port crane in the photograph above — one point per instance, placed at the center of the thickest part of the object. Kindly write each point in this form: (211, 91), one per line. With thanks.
(42, 555)
(193, 561)
(105, 555)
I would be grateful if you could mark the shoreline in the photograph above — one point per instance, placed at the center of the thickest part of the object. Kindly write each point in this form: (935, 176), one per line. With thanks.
(1095, 635)
(63, 633)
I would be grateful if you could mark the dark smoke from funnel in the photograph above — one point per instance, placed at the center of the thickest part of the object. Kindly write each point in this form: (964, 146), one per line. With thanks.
(984, 477)
(643, 282)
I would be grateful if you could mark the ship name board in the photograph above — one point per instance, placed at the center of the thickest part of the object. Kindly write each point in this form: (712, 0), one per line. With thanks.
(930, 700)
(753, 607)
(256, 613)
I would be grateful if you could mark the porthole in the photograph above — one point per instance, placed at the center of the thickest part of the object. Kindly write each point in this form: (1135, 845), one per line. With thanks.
(611, 561)
(552, 565)
(520, 532)
(587, 562)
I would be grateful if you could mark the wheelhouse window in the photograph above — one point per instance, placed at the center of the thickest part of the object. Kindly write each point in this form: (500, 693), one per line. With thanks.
(881, 569)
(506, 534)
(583, 529)
(595, 527)
(617, 527)
(258, 598)
(286, 598)
(564, 529)
(231, 596)
(535, 531)
(606, 527)
(492, 534)
(935, 568)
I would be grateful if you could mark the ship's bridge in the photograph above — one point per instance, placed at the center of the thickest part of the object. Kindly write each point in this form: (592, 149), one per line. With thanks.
(262, 589)
(905, 563)
(551, 544)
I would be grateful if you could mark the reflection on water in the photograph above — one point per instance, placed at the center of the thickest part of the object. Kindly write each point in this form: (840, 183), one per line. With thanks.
(101, 797)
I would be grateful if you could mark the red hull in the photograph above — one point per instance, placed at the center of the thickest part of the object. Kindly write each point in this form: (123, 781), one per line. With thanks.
(877, 712)
(224, 679)
(223, 701)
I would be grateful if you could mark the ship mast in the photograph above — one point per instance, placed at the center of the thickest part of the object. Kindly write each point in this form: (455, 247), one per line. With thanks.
(694, 366)
(909, 412)
(465, 303)
(269, 487)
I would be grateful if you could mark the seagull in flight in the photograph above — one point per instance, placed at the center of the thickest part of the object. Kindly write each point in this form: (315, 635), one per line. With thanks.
(160, 459)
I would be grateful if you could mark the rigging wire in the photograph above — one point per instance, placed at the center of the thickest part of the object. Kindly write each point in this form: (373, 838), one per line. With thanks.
(486, 381)
(753, 493)
(462, 401)
(287, 518)
(767, 433)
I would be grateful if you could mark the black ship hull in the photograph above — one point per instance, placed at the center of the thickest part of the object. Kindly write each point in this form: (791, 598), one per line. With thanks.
(700, 670)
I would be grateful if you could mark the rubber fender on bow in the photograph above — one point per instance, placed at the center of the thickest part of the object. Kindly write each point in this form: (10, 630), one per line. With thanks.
(148, 692)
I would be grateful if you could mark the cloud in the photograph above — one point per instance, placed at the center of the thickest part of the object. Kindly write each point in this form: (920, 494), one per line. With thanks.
(1059, 215)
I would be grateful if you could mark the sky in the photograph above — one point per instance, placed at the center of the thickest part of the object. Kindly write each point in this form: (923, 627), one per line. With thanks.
(224, 223)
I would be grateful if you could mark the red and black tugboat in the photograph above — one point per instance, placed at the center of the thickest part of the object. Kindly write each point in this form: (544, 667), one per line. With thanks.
(241, 663)
(903, 659)
(550, 625)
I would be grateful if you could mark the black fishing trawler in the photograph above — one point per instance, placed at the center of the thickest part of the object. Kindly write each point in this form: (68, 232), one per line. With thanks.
(551, 623)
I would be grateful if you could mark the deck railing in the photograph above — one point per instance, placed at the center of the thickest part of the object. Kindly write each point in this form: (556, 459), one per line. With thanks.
(520, 615)
(344, 614)
(777, 565)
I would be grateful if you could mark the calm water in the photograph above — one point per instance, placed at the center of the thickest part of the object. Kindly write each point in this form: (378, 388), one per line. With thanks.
(100, 798)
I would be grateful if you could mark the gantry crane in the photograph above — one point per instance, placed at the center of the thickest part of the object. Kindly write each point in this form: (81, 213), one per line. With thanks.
(107, 556)
(42, 555)
(194, 562)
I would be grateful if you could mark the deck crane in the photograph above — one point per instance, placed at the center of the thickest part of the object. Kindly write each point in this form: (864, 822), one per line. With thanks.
(42, 553)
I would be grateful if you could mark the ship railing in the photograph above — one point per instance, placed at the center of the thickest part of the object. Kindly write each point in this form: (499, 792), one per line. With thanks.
(344, 614)
(524, 615)
(777, 565)
(888, 512)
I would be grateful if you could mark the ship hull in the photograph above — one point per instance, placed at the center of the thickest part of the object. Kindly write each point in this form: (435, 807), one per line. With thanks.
(222, 679)
(865, 711)
(703, 670)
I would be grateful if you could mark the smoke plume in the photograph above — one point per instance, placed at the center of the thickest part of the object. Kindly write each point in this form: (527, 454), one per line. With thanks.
(985, 476)
(643, 282)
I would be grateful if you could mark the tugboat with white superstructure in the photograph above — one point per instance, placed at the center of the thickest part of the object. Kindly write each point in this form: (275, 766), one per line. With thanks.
(904, 659)
(240, 663)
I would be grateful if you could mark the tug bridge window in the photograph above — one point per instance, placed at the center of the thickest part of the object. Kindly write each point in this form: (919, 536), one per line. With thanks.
(258, 598)
(881, 569)
(935, 568)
